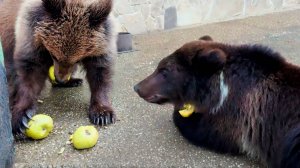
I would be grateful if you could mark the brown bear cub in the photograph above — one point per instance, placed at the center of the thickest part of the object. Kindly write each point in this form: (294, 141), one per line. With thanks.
(246, 98)
(39, 33)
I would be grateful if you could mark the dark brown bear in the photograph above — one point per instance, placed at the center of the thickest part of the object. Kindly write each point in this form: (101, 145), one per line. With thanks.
(39, 33)
(247, 99)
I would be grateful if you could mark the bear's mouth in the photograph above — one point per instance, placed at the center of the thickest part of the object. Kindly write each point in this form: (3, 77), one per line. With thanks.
(157, 99)
(178, 106)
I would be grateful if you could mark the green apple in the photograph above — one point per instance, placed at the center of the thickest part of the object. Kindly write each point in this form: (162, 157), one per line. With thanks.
(188, 109)
(39, 126)
(85, 137)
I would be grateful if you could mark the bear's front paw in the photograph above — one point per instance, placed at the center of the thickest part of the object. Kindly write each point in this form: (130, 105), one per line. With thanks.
(20, 121)
(73, 82)
(102, 115)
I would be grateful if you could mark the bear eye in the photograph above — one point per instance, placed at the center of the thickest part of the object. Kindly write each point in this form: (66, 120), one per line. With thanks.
(164, 72)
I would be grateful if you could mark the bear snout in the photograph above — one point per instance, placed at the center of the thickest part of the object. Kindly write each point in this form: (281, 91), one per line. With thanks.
(141, 92)
(149, 96)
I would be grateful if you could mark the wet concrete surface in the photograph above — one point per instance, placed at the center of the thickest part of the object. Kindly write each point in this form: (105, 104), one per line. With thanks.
(144, 135)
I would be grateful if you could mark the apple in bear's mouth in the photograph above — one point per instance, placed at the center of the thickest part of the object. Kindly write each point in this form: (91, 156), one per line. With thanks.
(187, 110)
(39, 126)
(84, 137)
(52, 75)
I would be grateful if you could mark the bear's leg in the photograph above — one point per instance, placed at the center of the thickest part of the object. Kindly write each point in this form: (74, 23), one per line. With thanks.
(201, 130)
(27, 87)
(290, 155)
(98, 73)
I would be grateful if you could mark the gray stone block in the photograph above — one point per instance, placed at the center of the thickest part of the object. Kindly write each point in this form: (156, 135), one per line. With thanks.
(124, 42)
(170, 18)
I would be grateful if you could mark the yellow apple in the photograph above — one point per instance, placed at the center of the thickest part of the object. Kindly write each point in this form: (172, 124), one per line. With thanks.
(85, 137)
(52, 76)
(39, 126)
(188, 109)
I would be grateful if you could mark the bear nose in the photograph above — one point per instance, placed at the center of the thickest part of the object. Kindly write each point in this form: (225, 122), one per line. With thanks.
(136, 88)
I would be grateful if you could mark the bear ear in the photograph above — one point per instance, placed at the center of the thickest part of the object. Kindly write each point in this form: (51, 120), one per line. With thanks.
(209, 62)
(98, 12)
(206, 38)
(54, 7)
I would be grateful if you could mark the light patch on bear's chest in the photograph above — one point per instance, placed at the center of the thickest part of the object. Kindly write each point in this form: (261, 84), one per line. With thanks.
(224, 90)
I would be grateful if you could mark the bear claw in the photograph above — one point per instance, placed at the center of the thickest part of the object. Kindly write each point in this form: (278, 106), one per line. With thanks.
(103, 118)
(22, 125)
(24, 122)
(22, 130)
(29, 114)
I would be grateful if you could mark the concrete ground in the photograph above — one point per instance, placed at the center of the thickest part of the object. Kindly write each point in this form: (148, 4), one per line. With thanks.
(144, 135)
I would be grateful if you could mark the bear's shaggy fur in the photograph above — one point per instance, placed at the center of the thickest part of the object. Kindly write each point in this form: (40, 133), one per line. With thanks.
(39, 33)
(247, 99)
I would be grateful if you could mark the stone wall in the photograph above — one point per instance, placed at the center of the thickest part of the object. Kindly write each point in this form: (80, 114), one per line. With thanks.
(141, 16)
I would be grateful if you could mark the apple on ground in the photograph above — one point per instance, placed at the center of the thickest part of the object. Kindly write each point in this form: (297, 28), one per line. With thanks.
(39, 126)
(85, 137)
